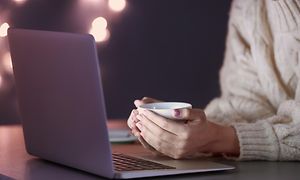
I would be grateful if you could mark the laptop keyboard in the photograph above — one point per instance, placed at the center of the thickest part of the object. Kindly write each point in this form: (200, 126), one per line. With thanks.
(128, 163)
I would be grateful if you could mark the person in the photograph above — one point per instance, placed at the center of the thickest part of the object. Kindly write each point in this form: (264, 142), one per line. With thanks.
(257, 116)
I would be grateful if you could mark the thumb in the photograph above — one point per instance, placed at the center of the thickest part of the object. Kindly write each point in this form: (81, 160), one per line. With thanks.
(145, 100)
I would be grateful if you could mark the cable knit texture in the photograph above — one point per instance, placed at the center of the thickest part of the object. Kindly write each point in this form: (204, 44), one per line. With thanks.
(260, 79)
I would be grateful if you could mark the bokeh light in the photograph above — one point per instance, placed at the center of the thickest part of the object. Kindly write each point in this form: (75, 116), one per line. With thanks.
(100, 35)
(98, 29)
(3, 29)
(92, 16)
(19, 1)
(7, 64)
(91, 1)
(117, 5)
(1, 81)
(99, 23)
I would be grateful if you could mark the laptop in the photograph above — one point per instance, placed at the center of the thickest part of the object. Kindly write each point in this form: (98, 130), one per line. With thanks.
(61, 101)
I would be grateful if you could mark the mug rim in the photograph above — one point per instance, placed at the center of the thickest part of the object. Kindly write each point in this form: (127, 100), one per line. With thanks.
(177, 105)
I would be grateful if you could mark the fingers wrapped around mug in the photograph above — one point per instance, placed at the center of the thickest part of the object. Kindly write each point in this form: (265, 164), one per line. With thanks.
(174, 138)
(132, 120)
(161, 140)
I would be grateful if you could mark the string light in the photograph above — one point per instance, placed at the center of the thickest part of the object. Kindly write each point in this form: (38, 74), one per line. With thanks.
(117, 5)
(3, 29)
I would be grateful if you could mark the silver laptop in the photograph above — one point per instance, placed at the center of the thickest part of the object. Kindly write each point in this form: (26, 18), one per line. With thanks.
(62, 107)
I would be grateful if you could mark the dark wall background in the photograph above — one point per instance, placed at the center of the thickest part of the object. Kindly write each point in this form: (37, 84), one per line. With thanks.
(167, 49)
(171, 50)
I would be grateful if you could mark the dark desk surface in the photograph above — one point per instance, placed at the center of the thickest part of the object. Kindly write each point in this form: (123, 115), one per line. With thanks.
(17, 164)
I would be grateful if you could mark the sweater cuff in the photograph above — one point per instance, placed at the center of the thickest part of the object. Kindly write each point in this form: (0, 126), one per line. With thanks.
(257, 141)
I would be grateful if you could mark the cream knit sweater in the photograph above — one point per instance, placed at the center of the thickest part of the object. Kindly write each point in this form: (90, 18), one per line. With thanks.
(260, 79)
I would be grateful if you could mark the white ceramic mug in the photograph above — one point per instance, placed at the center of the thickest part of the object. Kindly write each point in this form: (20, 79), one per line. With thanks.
(165, 109)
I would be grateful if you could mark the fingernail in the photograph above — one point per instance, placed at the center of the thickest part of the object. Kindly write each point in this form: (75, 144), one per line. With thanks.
(177, 113)
(134, 120)
(134, 112)
(139, 125)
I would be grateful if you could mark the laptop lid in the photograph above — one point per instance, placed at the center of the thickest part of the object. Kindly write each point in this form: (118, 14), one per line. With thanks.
(58, 86)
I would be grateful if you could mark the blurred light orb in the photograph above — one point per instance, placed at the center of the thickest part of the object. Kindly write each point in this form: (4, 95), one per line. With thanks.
(99, 23)
(91, 1)
(7, 64)
(19, 1)
(117, 5)
(3, 29)
(100, 35)
(1, 81)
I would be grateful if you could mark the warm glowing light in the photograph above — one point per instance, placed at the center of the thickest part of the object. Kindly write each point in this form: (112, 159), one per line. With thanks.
(99, 23)
(100, 35)
(3, 29)
(19, 1)
(117, 5)
(1, 80)
(99, 30)
(7, 64)
(91, 1)
(91, 4)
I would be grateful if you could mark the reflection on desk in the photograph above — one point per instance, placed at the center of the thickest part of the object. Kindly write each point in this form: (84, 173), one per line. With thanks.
(17, 164)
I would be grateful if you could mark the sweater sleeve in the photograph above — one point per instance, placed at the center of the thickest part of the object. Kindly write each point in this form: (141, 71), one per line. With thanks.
(256, 100)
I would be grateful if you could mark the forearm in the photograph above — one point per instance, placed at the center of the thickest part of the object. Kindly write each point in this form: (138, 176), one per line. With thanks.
(272, 138)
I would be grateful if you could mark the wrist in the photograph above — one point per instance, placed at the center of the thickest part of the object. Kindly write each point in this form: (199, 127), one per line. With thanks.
(225, 140)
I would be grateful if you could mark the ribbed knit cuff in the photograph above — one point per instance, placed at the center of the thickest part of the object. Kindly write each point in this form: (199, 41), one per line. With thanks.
(257, 141)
